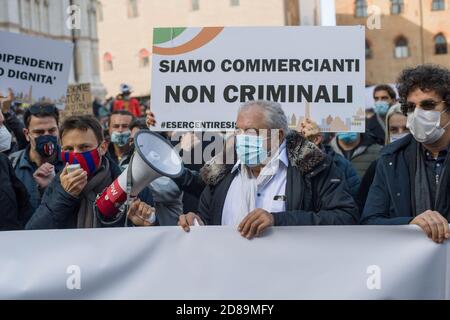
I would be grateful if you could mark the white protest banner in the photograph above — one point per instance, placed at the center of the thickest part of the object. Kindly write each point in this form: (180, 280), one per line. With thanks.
(214, 262)
(34, 68)
(200, 76)
(79, 101)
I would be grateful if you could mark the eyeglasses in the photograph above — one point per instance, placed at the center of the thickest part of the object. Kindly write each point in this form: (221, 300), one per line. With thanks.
(428, 104)
(42, 108)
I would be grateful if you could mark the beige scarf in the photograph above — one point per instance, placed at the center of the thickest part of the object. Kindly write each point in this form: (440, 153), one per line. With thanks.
(250, 183)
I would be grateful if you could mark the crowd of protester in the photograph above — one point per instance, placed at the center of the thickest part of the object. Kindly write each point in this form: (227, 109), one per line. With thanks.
(395, 173)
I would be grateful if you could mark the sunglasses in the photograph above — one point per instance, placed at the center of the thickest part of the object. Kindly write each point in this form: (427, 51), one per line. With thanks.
(428, 104)
(45, 108)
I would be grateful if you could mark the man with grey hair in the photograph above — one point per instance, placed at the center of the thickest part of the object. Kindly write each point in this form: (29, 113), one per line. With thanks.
(279, 179)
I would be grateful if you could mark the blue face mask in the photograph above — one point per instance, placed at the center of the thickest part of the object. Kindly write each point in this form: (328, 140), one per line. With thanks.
(250, 149)
(46, 145)
(121, 138)
(397, 136)
(381, 107)
(347, 137)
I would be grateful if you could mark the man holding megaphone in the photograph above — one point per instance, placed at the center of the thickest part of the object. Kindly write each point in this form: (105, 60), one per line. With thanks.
(69, 200)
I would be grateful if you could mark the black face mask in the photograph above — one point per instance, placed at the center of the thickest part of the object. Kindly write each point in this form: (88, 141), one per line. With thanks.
(46, 146)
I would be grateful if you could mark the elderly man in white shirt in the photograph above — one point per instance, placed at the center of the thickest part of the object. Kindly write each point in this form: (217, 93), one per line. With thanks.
(265, 190)
(279, 179)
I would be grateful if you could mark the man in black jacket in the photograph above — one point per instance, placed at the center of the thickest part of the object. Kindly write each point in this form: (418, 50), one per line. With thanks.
(412, 179)
(13, 123)
(39, 162)
(68, 201)
(280, 179)
(14, 199)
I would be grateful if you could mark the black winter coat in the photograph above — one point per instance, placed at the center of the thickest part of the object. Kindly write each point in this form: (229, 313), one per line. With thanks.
(316, 190)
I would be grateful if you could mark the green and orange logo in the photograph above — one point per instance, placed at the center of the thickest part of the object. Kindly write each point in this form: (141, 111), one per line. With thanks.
(166, 41)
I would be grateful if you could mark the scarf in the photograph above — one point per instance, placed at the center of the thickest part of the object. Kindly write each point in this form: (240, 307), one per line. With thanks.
(86, 217)
(250, 183)
(420, 195)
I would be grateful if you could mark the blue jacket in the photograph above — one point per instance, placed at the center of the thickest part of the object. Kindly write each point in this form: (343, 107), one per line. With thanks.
(351, 176)
(389, 199)
(25, 169)
(58, 208)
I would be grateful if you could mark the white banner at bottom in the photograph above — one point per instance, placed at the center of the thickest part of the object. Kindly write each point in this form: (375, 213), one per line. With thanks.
(330, 262)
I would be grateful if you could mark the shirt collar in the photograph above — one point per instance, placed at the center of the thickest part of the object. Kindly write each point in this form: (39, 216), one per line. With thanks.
(441, 156)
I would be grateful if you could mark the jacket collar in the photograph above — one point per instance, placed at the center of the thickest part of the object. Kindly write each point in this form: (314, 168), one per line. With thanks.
(301, 154)
(360, 149)
(25, 162)
(112, 153)
(395, 146)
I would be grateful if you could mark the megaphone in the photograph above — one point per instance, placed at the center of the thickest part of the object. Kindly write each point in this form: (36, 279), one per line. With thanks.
(153, 157)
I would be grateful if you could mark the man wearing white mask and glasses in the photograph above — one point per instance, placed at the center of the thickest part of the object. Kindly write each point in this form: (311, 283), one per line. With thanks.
(279, 179)
(412, 180)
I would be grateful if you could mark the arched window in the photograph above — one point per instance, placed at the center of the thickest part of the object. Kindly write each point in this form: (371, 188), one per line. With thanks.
(144, 58)
(92, 20)
(438, 5)
(440, 44)
(27, 15)
(37, 15)
(361, 8)
(46, 17)
(195, 5)
(396, 6)
(132, 9)
(99, 11)
(401, 48)
(107, 62)
(368, 50)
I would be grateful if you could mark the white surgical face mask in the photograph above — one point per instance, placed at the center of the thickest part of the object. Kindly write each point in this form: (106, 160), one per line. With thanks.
(397, 136)
(425, 126)
(5, 139)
